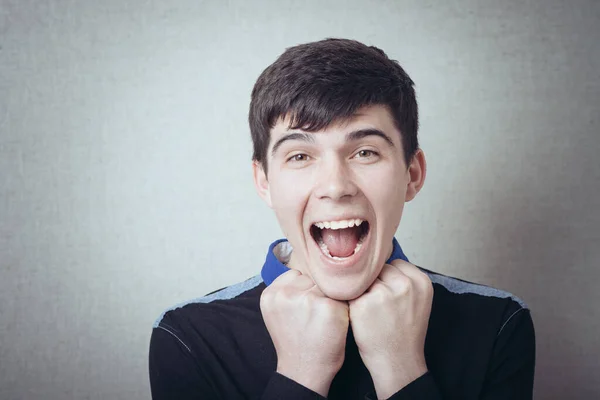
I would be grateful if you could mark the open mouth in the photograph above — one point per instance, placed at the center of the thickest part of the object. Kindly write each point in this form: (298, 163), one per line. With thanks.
(340, 240)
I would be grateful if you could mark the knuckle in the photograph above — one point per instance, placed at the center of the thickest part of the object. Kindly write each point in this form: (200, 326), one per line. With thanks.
(398, 262)
(287, 292)
(266, 300)
(267, 292)
(291, 272)
(404, 284)
(379, 294)
(425, 281)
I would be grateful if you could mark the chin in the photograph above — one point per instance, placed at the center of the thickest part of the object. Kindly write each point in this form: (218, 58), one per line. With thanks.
(340, 289)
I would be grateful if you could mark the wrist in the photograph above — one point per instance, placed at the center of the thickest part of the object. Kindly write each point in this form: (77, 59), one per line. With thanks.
(391, 379)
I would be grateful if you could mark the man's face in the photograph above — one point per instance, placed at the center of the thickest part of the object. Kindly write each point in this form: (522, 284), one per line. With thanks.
(347, 173)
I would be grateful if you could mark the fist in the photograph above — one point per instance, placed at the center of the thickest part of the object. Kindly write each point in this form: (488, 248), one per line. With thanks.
(389, 322)
(308, 330)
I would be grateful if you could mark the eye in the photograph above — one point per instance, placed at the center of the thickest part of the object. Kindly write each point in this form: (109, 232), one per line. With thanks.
(298, 158)
(367, 153)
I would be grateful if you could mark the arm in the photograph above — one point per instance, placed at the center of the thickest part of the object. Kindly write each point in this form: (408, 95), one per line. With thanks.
(390, 323)
(174, 373)
(510, 375)
(308, 331)
(511, 372)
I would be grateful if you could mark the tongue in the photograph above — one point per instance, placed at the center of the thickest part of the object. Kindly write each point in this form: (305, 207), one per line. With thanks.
(341, 242)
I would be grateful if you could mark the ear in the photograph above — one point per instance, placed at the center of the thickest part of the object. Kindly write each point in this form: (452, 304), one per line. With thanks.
(261, 183)
(417, 171)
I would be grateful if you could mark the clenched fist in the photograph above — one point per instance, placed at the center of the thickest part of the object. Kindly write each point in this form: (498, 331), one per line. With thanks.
(389, 322)
(308, 330)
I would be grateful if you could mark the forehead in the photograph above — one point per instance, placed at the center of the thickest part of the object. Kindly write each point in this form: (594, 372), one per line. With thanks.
(369, 117)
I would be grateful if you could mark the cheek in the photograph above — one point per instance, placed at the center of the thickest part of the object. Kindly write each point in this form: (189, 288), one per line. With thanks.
(289, 193)
(386, 191)
(384, 188)
(289, 196)
(392, 205)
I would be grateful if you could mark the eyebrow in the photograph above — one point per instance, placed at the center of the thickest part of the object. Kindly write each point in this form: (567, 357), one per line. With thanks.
(350, 137)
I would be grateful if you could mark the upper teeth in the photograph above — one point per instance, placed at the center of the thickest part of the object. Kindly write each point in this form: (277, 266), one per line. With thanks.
(347, 223)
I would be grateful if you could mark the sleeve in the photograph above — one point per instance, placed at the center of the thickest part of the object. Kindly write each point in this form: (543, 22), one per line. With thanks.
(174, 374)
(512, 368)
(511, 372)
(282, 387)
(422, 388)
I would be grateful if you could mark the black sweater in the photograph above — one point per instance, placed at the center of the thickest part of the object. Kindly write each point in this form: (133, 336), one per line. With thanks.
(480, 345)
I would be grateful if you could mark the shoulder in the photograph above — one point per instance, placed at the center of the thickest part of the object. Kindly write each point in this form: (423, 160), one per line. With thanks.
(475, 304)
(195, 346)
(460, 286)
(208, 313)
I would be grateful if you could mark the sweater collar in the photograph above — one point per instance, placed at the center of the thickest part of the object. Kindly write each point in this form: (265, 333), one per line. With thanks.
(280, 251)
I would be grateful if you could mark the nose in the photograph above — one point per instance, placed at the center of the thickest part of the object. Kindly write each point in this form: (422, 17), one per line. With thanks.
(334, 180)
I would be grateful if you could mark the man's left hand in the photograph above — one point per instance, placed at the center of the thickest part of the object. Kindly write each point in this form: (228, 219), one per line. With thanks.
(389, 322)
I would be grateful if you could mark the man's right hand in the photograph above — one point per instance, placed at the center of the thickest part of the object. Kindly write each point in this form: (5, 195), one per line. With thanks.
(308, 330)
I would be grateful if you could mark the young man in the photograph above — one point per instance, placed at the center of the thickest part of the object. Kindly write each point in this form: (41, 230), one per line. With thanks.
(337, 311)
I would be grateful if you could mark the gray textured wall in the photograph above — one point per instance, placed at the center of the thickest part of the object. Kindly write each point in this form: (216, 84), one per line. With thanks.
(125, 182)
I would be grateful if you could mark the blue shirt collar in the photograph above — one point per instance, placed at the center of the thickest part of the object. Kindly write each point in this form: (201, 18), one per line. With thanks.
(272, 267)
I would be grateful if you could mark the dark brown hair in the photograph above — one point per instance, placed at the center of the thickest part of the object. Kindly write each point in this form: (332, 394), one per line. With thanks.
(318, 83)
